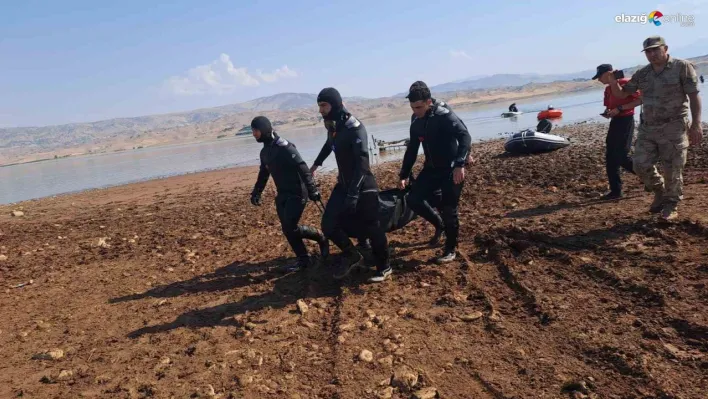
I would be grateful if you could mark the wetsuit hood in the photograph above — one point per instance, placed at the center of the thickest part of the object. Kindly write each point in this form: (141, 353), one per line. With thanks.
(332, 97)
(262, 124)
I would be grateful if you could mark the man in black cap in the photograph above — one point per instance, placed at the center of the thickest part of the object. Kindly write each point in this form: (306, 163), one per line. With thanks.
(355, 195)
(294, 183)
(667, 85)
(446, 144)
(620, 111)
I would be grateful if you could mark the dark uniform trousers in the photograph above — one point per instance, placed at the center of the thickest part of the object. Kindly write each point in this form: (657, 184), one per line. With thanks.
(366, 215)
(290, 208)
(618, 144)
(429, 180)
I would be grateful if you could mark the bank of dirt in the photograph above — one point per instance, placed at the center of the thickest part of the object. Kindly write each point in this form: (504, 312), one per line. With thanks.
(173, 288)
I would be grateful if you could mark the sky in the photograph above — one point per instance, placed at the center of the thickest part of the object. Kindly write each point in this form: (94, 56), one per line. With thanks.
(79, 61)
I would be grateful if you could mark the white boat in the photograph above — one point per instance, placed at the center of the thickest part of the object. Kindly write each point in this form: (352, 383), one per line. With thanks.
(510, 114)
(531, 142)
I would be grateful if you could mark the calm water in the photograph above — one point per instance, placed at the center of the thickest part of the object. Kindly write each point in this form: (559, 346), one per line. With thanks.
(42, 179)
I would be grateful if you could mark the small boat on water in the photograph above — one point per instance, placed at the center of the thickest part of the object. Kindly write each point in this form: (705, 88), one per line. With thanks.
(550, 114)
(531, 142)
(510, 114)
(387, 145)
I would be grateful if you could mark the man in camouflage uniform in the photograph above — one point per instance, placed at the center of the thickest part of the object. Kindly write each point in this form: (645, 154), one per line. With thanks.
(666, 84)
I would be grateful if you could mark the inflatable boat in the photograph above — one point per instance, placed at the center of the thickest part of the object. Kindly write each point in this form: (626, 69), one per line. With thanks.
(550, 113)
(510, 114)
(530, 142)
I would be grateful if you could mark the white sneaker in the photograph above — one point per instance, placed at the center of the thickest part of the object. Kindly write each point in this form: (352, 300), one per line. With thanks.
(447, 257)
(380, 276)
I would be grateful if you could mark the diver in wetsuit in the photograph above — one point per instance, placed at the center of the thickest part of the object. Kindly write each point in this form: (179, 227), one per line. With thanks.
(293, 180)
(512, 108)
(356, 194)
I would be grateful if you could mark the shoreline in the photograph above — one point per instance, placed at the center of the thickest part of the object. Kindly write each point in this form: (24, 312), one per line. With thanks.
(249, 169)
(475, 144)
(205, 172)
(383, 119)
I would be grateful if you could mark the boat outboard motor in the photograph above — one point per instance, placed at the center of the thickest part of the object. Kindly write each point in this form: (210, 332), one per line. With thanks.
(544, 126)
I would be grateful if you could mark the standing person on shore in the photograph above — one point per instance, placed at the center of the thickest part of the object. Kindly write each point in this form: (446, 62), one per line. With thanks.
(620, 111)
(446, 144)
(356, 194)
(294, 184)
(667, 85)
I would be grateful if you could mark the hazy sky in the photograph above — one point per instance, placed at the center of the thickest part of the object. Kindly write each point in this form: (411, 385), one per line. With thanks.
(75, 61)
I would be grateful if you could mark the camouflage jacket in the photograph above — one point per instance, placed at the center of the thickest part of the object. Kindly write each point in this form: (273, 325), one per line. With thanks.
(664, 94)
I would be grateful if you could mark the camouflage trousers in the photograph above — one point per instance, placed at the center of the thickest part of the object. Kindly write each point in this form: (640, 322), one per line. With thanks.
(668, 144)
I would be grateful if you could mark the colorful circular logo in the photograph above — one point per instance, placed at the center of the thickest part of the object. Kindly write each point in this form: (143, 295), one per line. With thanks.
(654, 17)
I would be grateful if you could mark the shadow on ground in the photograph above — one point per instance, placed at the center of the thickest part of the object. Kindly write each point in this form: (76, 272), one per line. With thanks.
(314, 282)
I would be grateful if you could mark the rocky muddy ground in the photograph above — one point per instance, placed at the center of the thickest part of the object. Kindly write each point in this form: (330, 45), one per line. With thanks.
(173, 289)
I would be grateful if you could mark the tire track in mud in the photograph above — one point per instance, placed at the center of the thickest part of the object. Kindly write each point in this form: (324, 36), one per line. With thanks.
(628, 363)
(492, 317)
(330, 328)
(645, 296)
(502, 259)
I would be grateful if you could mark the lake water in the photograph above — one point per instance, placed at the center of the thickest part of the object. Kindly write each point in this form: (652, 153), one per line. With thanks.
(52, 177)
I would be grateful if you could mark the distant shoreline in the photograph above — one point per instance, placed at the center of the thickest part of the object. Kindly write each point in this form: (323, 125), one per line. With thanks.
(376, 119)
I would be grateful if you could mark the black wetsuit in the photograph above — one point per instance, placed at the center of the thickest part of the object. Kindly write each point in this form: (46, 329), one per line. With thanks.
(446, 143)
(293, 180)
(356, 193)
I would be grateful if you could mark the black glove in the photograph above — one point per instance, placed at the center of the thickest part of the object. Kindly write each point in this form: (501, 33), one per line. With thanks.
(350, 203)
(315, 195)
(256, 199)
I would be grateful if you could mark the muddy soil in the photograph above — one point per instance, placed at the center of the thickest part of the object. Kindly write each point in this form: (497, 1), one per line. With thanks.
(175, 288)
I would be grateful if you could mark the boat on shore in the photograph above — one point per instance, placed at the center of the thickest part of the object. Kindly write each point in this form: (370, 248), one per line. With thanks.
(532, 142)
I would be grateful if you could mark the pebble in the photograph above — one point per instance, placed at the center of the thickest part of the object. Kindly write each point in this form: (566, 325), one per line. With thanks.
(366, 356)
(3, 258)
(209, 391)
(244, 380)
(65, 375)
(386, 361)
(471, 317)
(404, 378)
(426, 393)
(386, 393)
(18, 214)
(302, 306)
(54, 354)
(389, 346)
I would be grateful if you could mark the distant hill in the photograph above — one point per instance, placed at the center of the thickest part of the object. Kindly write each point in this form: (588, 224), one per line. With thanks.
(515, 80)
(281, 101)
(286, 110)
(508, 80)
